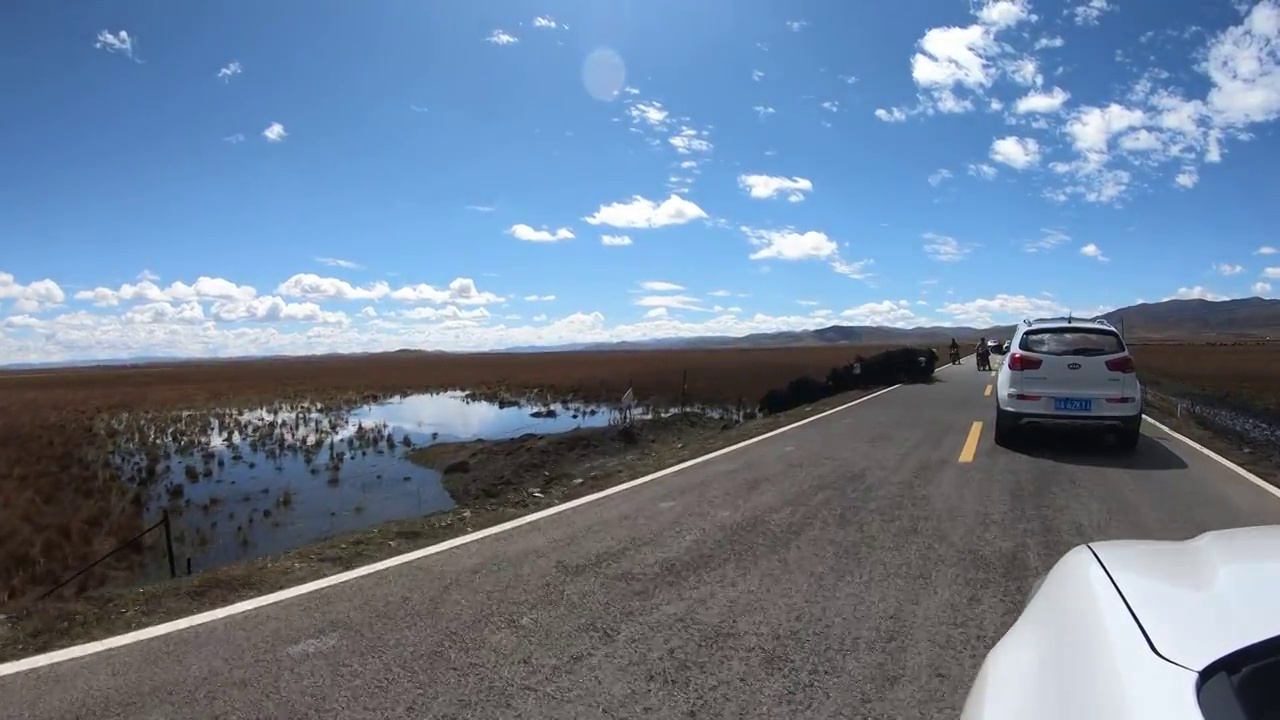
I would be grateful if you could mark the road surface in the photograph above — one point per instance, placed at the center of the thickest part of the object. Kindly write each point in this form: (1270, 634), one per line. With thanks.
(858, 566)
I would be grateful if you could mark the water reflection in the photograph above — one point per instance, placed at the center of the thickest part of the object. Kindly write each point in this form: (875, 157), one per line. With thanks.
(261, 484)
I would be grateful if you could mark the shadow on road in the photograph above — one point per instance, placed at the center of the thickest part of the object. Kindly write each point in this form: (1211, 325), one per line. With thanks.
(1093, 448)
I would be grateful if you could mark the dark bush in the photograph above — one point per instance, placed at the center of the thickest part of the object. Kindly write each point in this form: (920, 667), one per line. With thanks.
(892, 367)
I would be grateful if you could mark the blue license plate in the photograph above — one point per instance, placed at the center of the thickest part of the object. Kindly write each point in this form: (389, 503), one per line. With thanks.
(1072, 404)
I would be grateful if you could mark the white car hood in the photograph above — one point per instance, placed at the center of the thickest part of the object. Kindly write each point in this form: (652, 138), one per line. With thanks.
(1203, 598)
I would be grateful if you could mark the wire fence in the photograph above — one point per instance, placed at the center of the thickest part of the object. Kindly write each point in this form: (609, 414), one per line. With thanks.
(164, 524)
(1258, 433)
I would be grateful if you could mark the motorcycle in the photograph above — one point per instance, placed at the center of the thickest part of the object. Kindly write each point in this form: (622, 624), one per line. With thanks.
(984, 361)
(955, 356)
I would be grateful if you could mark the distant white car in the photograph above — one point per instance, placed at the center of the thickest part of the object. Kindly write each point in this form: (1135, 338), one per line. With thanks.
(1068, 371)
(1167, 630)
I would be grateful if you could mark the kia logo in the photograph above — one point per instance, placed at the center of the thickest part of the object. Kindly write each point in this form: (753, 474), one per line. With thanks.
(1073, 366)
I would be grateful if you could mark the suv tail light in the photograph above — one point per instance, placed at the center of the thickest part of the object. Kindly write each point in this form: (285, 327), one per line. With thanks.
(1121, 364)
(1018, 362)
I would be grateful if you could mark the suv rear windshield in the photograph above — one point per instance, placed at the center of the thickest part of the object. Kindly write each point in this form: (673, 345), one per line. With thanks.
(1084, 342)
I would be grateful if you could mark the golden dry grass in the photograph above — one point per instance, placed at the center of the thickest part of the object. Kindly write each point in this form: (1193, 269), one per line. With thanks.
(65, 503)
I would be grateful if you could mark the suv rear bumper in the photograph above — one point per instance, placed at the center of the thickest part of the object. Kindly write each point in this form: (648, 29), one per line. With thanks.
(1082, 420)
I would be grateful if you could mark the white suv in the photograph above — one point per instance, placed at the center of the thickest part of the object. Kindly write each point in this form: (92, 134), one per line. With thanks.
(1070, 371)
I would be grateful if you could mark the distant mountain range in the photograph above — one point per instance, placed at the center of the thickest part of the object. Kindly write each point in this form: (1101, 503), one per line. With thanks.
(1197, 320)
(1201, 320)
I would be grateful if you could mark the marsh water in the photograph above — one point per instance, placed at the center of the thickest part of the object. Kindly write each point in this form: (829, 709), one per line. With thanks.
(242, 497)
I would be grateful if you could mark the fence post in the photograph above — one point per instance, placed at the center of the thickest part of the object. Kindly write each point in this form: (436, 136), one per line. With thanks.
(168, 545)
(684, 386)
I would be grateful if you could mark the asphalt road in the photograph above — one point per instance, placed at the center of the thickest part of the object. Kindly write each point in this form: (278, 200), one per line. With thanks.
(852, 568)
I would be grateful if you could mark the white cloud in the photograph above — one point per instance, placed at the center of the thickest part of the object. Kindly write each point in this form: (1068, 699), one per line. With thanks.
(31, 297)
(1042, 102)
(1187, 178)
(1227, 269)
(1016, 152)
(985, 312)
(797, 25)
(229, 71)
(763, 187)
(757, 75)
(892, 115)
(642, 213)
(163, 312)
(788, 244)
(1260, 288)
(1266, 250)
(520, 231)
(446, 313)
(1049, 240)
(545, 22)
(270, 308)
(651, 113)
(120, 42)
(690, 141)
(1049, 42)
(858, 270)
(501, 37)
(1090, 11)
(887, 313)
(763, 111)
(315, 287)
(462, 291)
(1024, 71)
(660, 286)
(936, 178)
(481, 208)
(982, 170)
(1271, 273)
(675, 302)
(944, 248)
(275, 133)
(658, 312)
(234, 139)
(338, 262)
(1243, 63)
(204, 288)
(148, 275)
(1093, 251)
(615, 240)
(1196, 293)
(831, 105)
(539, 298)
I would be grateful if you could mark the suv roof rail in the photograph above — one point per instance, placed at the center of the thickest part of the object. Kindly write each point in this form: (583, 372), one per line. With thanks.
(1066, 319)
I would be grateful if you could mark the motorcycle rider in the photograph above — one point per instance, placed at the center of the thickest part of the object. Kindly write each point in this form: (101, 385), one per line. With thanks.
(954, 350)
(982, 351)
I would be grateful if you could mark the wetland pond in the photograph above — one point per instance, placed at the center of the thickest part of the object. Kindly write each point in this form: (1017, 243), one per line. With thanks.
(253, 484)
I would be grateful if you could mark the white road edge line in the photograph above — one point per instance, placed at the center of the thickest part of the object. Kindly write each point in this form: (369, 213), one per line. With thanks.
(97, 646)
(1215, 457)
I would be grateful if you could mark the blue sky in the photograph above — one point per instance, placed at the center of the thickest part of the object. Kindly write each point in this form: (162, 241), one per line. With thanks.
(237, 178)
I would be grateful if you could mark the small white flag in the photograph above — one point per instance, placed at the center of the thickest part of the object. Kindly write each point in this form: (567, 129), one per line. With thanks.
(629, 399)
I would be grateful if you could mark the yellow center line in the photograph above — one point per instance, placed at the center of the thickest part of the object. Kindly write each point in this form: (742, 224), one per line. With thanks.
(987, 392)
(971, 442)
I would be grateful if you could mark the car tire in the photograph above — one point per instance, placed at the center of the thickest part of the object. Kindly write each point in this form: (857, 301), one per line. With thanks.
(1130, 434)
(1006, 427)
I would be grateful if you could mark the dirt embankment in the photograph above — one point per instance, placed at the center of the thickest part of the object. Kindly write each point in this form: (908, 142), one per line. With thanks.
(489, 470)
